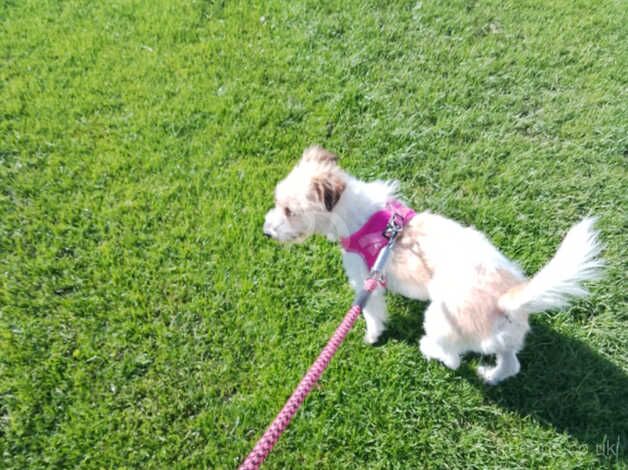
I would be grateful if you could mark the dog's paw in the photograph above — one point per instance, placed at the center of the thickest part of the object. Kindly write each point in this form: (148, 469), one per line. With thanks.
(430, 350)
(371, 338)
(489, 375)
(451, 361)
(497, 374)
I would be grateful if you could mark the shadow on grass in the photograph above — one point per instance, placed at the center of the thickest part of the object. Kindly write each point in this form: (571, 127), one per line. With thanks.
(407, 327)
(563, 384)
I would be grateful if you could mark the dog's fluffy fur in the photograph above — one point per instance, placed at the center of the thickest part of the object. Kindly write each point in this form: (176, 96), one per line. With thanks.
(479, 300)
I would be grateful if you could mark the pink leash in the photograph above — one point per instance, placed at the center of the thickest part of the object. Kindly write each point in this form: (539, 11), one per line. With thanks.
(280, 423)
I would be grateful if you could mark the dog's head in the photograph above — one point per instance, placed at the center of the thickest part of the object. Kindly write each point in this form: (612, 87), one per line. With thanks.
(305, 199)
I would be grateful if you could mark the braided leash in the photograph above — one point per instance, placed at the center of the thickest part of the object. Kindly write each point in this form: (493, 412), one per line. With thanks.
(280, 423)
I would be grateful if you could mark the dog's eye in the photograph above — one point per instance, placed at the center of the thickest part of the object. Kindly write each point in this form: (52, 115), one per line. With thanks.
(287, 211)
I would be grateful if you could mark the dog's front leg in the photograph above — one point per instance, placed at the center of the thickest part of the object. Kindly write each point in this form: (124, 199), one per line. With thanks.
(375, 312)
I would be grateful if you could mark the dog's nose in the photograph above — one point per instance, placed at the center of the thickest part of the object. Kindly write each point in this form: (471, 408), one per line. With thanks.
(268, 234)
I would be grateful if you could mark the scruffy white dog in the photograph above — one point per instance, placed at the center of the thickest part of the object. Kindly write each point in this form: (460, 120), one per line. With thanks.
(480, 301)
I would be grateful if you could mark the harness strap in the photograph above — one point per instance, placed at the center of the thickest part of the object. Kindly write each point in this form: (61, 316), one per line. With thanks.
(372, 237)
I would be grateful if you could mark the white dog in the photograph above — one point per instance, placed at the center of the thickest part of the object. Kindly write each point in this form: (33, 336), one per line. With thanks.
(480, 301)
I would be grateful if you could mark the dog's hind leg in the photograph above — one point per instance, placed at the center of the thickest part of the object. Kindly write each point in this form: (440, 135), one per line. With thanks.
(507, 366)
(374, 312)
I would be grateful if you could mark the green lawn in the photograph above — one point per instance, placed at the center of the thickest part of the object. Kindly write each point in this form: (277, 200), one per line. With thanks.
(145, 322)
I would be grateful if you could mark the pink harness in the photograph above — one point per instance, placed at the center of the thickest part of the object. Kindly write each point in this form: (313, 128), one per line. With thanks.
(369, 239)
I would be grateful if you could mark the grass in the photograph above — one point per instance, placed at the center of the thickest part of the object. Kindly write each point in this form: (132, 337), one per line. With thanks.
(146, 322)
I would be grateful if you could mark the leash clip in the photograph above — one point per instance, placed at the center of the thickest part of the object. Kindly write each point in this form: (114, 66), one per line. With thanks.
(393, 227)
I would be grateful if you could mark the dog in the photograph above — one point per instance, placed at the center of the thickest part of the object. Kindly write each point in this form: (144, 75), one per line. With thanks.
(479, 300)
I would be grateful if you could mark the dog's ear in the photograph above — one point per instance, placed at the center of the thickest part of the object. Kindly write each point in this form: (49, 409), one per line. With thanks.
(318, 154)
(328, 188)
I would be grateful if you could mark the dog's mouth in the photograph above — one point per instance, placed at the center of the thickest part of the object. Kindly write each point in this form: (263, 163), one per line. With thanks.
(292, 239)
(287, 238)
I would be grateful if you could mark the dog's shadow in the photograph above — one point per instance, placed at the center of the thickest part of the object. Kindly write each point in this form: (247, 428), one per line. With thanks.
(563, 384)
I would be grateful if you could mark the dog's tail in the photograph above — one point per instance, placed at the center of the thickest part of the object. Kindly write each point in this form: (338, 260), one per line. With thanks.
(561, 279)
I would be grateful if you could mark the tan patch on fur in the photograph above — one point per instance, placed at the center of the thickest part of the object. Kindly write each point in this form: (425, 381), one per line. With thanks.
(318, 154)
(513, 292)
(409, 263)
(317, 191)
(327, 187)
(478, 314)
